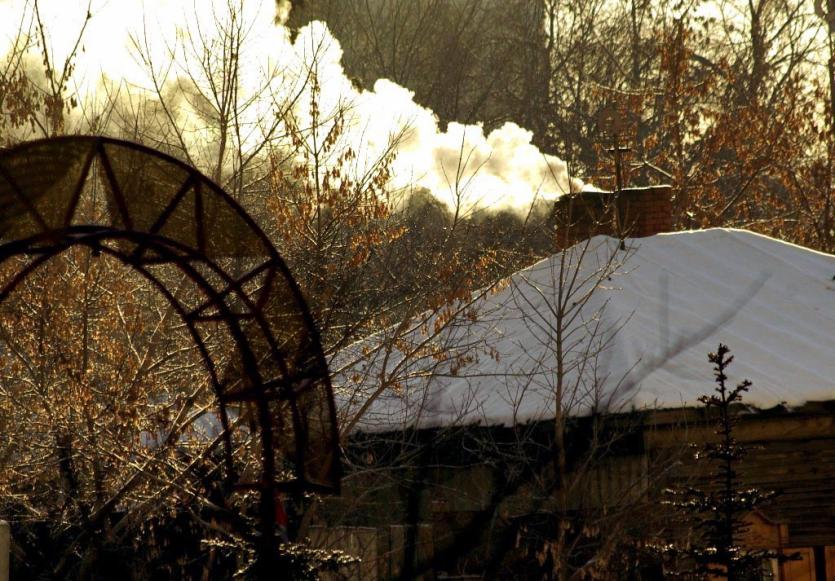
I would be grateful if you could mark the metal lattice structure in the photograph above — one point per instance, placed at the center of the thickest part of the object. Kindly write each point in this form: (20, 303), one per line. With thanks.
(161, 212)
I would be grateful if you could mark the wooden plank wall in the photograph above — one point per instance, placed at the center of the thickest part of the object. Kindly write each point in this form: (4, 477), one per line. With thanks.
(791, 455)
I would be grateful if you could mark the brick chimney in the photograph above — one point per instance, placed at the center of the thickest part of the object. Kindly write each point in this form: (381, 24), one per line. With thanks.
(629, 213)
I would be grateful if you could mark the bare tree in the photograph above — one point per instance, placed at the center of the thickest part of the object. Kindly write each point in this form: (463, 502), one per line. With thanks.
(105, 402)
(467, 60)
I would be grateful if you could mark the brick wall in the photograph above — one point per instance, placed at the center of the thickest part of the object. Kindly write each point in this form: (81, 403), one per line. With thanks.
(630, 213)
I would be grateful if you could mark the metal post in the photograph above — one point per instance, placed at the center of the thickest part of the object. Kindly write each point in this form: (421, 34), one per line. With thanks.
(5, 548)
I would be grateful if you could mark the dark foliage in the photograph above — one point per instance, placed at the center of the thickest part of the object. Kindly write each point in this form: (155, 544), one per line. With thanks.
(717, 510)
(187, 543)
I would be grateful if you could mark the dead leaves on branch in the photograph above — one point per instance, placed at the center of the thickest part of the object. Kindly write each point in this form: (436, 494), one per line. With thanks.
(94, 365)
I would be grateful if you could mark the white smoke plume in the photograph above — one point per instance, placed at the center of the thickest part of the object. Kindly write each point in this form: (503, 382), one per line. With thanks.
(125, 39)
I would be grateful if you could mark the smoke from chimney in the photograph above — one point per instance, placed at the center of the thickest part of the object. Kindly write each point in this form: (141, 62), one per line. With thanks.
(126, 40)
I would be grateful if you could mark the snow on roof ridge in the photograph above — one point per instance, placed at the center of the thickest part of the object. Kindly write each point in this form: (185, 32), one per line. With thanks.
(736, 232)
(681, 294)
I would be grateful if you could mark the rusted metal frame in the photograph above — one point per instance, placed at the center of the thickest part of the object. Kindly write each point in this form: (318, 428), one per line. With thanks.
(98, 142)
(115, 187)
(167, 211)
(186, 257)
(324, 381)
(216, 297)
(237, 333)
(27, 204)
(92, 237)
(178, 254)
(281, 388)
(268, 486)
(57, 249)
(189, 255)
(237, 286)
(265, 418)
(149, 261)
(231, 475)
(264, 291)
(44, 254)
(315, 345)
(172, 204)
(198, 218)
(257, 314)
(76, 195)
(81, 233)
(286, 393)
(268, 492)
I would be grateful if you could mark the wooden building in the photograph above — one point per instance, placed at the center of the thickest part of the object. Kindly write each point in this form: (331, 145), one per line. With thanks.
(430, 497)
(454, 514)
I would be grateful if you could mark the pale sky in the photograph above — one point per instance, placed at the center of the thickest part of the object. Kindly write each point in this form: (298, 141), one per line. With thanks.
(499, 170)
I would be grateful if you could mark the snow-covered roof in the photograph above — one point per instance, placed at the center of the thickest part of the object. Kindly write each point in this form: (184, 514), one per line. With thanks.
(639, 340)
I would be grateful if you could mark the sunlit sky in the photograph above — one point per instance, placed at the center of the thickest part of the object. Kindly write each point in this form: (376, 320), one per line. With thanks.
(499, 170)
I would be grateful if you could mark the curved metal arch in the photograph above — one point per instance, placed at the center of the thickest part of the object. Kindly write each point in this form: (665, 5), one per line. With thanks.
(43, 256)
(159, 211)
